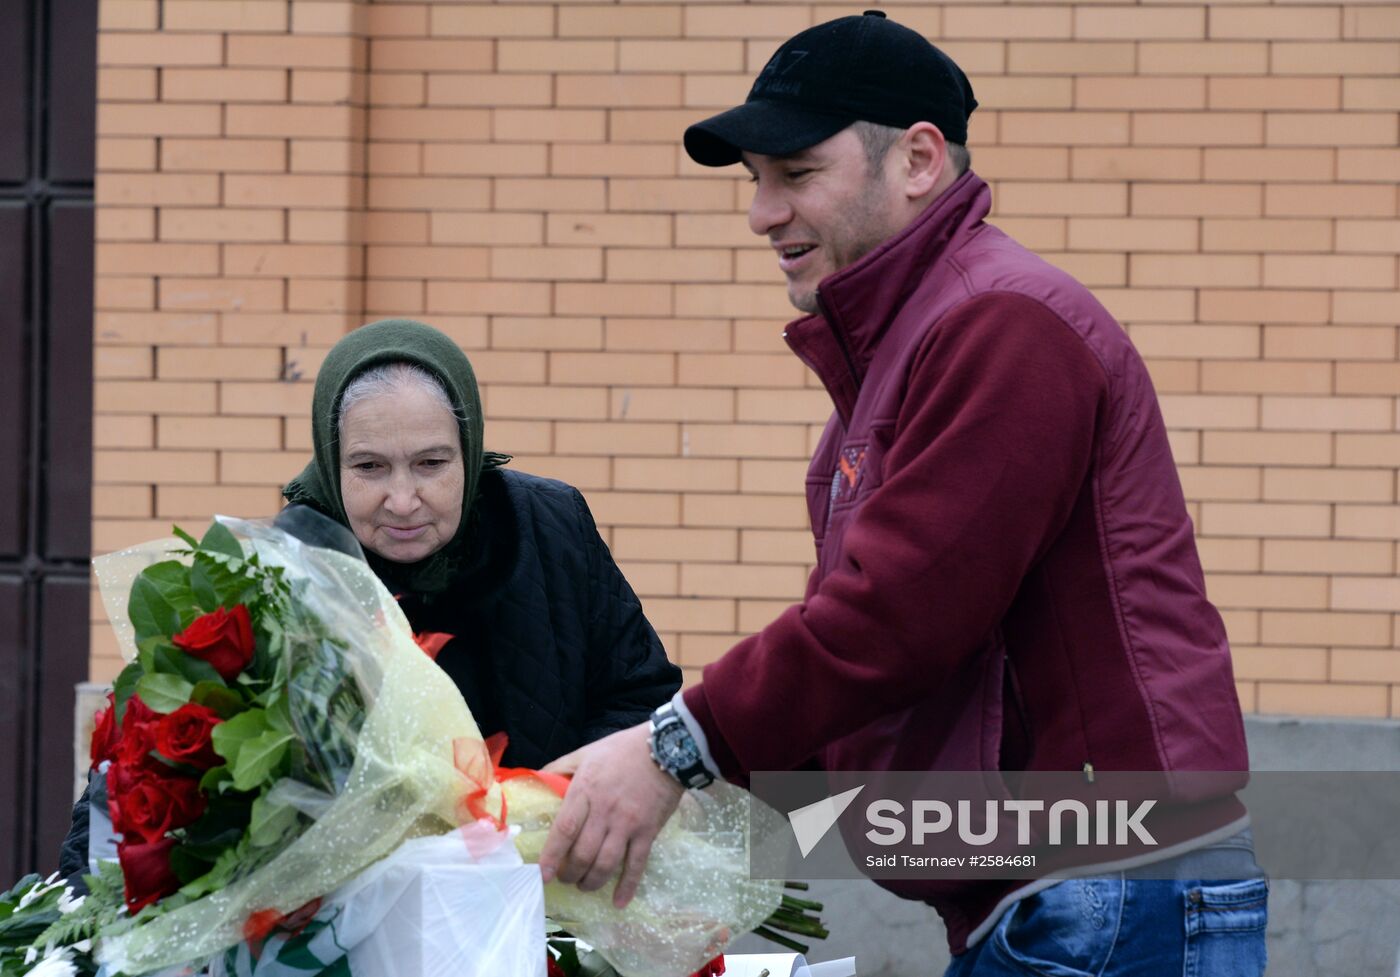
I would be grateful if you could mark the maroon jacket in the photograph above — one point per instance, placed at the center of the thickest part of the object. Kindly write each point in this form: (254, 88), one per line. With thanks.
(1006, 573)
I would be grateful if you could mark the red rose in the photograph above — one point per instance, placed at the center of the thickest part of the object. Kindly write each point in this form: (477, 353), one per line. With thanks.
(138, 736)
(222, 638)
(145, 805)
(715, 968)
(104, 733)
(552, 968)
(146, 871)
(185, 736)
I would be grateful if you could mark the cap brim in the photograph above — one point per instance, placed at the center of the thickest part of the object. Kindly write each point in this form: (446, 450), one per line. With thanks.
(764, 127)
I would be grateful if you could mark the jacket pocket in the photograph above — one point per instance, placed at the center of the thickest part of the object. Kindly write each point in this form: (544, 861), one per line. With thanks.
(1017, 737)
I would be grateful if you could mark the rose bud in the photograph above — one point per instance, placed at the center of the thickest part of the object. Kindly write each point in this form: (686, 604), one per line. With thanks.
(222, 638)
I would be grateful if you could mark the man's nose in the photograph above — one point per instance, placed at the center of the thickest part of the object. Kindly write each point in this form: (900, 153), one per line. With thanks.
(767, 210)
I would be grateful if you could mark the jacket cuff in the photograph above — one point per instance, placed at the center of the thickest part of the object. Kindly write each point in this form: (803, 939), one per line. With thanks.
(694, 709)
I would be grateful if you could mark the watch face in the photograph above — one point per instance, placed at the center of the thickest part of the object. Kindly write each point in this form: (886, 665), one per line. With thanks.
(675, 749)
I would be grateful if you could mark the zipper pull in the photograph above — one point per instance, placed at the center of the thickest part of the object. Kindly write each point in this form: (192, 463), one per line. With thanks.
(1088, 772)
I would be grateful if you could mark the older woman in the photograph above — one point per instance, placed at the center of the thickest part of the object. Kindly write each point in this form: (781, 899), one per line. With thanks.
(549, 642)
(543, 635)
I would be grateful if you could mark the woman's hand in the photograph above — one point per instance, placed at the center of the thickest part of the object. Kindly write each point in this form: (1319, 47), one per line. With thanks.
(615, 807)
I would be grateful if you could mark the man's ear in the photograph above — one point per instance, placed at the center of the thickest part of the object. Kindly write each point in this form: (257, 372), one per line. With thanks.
(925, 154)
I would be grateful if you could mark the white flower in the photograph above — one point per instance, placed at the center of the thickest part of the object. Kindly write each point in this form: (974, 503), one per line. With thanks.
(37, 890)
(56, 963)
(66, 902)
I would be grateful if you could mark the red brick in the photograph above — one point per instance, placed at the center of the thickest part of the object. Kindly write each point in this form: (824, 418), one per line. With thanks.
(220, 294)
(689, 55)
(619, 90)
(613, 21)
(555, 55)
(221, 225)
(302, 52)
(147, 119)
(481, 228)
(400, 261)
(1274, 93)
(429, 193)
(547, 333)
(126, 84)
(489, 91)
(224, 15)
(486, 159)
(162, 50)
(223, 85)
(1069, 57)
(490, 20)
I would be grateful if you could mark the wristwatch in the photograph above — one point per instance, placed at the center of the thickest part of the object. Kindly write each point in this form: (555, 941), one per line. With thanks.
(675, 750)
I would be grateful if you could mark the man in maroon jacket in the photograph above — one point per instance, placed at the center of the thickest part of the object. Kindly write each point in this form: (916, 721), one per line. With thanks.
(1006, 575)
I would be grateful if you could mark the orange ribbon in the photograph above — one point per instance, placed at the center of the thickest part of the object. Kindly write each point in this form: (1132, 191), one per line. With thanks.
(260, 924)
(480, 763)
(432, 641)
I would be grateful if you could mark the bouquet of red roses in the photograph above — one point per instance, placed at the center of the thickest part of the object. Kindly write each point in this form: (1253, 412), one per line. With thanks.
(278, 731)
(222, 703)
(263, 746)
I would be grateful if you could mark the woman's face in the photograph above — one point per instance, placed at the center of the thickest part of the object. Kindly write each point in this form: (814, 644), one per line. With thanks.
(401, 473)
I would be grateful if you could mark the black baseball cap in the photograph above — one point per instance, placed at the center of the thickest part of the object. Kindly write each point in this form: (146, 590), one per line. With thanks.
(865, 68)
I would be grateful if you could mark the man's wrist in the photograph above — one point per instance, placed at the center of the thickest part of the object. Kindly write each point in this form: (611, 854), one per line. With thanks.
(677, 749)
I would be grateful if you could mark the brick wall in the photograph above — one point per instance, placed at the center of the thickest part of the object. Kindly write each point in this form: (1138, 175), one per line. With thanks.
(1224, 177)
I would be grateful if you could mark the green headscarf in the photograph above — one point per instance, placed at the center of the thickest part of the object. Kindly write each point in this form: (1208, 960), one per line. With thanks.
(318, 485)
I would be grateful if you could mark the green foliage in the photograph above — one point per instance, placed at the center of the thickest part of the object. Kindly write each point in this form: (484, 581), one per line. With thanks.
(163, 692)
(230, 736)
(101, 908)
(151, 612)
(259, 759)
(125, 686)
(270, 822)
(167, 658)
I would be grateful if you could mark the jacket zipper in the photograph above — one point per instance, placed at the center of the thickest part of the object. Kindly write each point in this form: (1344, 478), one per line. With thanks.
(840, 339)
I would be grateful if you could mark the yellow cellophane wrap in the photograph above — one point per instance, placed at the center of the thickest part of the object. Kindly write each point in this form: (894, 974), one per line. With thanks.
(404, 783)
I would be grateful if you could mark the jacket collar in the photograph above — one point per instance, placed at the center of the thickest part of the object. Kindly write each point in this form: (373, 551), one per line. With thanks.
(860, 301)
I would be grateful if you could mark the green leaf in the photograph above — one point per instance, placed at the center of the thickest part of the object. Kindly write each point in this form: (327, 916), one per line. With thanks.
(217, 877)
(193, 543)
(206, 595)
(279, 714)
(164, 693)
(151, 614)
(258, 758)
(125, 686)
(213, 780)
(216, 583)
(219, 697)
(172, 579)
(171, 660)
(270, 822)
(218, 539)
(231, 736)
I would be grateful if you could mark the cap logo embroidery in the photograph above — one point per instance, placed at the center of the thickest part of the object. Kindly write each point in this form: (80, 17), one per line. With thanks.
(780, 64)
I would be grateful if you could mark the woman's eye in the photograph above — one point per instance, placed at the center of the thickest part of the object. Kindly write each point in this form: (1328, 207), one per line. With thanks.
(432, 462)
(797, 174)
(366, 467)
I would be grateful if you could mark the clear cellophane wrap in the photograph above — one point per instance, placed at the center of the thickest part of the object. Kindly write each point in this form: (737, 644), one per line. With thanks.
(418, 755)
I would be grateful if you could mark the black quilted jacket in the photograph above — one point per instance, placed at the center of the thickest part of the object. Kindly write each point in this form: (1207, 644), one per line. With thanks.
(553, 647)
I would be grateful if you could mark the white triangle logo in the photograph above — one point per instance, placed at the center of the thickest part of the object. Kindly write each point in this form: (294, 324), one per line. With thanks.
(811, 823)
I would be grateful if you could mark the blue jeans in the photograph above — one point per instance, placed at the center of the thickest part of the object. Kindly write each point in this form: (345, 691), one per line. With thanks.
(1119, 926)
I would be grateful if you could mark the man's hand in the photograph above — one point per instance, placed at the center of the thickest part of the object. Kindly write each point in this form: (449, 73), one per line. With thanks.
(616, 805)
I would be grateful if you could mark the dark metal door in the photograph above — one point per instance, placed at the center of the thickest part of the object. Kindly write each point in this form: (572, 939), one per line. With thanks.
(48, 69)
